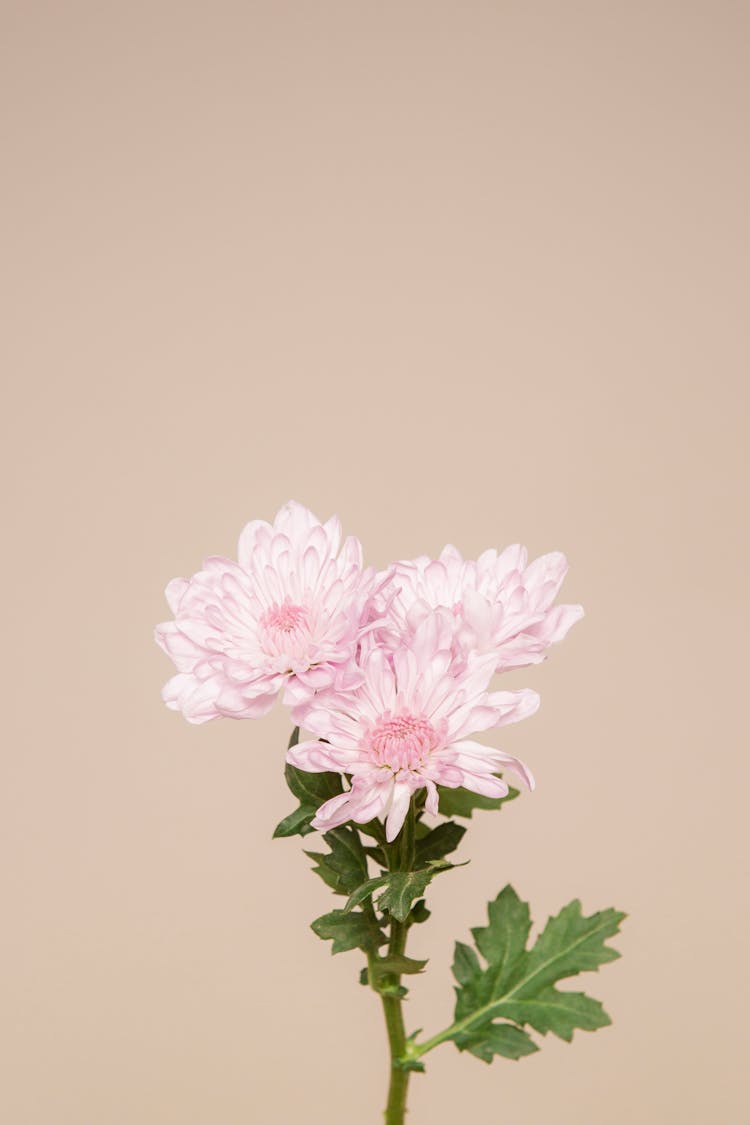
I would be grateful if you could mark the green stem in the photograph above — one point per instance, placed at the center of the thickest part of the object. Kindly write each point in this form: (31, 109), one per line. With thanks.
(395, 1109)
(401, 858)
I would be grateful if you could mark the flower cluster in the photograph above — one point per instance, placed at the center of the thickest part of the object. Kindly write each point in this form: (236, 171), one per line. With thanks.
(389, 672)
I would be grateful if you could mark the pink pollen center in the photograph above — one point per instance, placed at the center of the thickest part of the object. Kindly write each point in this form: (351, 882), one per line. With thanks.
(403, 742)
(286, 618)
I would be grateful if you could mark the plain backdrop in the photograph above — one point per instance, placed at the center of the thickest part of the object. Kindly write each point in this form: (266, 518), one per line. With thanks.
(460, 272)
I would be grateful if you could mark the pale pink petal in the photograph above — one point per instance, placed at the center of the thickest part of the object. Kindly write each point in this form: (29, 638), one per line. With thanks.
(252, 536)
(316, 757)
(333, 812)
(511, 560)
(397, 810)
(519, 652)
(381, 680)
(431, 802)
(557, 623)
(485, 784)
(174, 591)
(544, 577)
(196, 699)
(184, 652)
(473, 755)
(513, 706)
(360, 803)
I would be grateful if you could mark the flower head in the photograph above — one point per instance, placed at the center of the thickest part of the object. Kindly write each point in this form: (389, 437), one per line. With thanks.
(408, 726)
(287, 616)
(498, 604)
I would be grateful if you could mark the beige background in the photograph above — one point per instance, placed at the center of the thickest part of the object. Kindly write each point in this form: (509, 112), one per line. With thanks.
(472, 272)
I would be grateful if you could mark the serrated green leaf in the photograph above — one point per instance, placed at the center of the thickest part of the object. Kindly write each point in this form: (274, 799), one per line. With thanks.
(353, 930)
(518, 983)
(419, 911)
(297, 823)
(503, 942)
(365, 890)
(345, 866)
(569, 944)
(558, 1012)
(381, 972)
(461, 802)
(402, 888)
(497, 1039)
(438, 842)
(465, 963)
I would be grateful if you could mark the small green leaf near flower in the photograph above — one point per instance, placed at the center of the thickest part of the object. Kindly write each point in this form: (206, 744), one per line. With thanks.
(438, 842)
(462, 802)
(349, 930)
(401, 889)
(344, 867)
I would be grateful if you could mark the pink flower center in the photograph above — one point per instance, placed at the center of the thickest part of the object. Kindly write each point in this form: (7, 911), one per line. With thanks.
(403, 742)
(285, 632)
(286, 618)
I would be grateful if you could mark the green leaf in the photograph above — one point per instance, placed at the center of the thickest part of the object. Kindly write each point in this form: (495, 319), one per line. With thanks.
(353, 930)
(439, 842)
(399, 963)
(517, 983)
(311, 790)
(503, 942)
(419, 911)
(461, 802)
(296, 824)
(465, 963)
(570, 944)
(382, 970)
(558, 1012)
(497, 1039)
(345, 866)
(365, 890)
(402, 888)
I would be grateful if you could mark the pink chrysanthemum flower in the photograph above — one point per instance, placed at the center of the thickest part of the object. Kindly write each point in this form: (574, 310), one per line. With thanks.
(288, 615)
(498, 604)
(407, 727)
